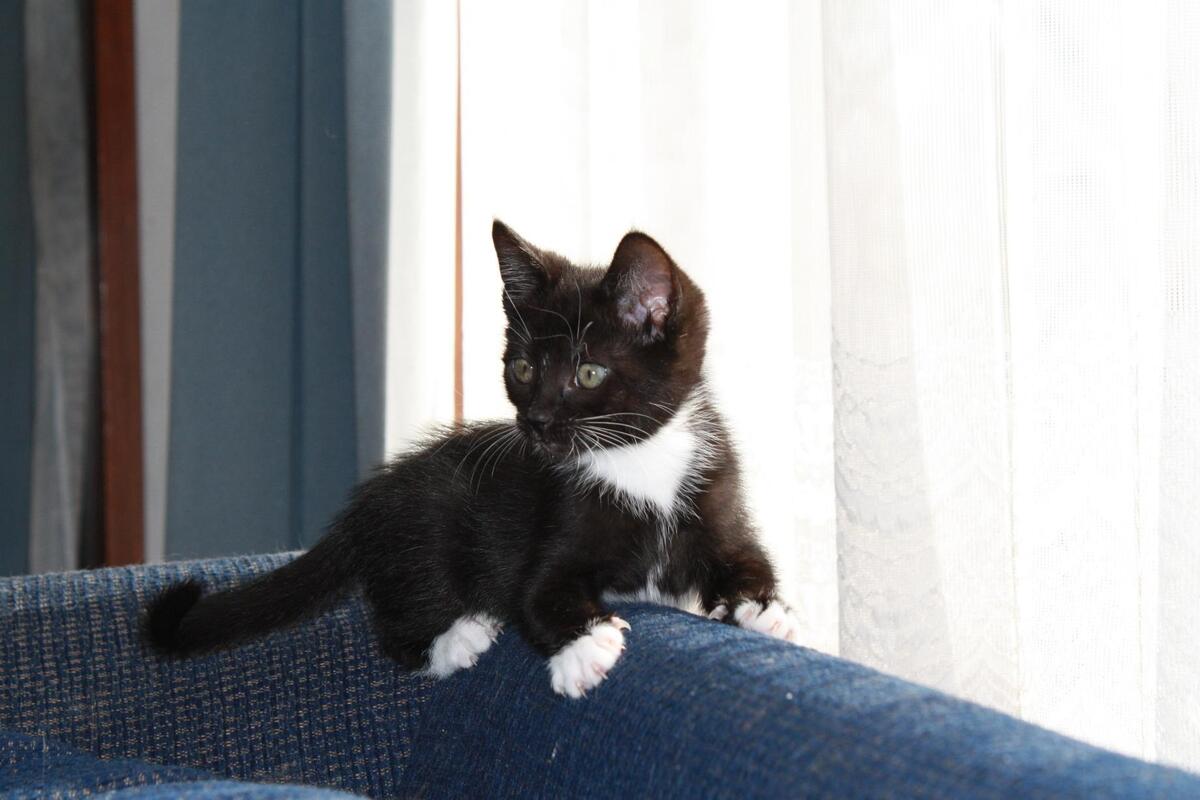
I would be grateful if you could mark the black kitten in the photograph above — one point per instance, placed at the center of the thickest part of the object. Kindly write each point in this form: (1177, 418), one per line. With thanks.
(617, 479)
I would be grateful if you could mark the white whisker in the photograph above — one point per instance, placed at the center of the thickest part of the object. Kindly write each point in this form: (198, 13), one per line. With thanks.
(620, 414)
(517, 311)
(485, 437)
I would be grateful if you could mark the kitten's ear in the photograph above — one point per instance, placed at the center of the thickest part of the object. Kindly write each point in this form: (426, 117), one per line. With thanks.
(642, 284)
(523, 268)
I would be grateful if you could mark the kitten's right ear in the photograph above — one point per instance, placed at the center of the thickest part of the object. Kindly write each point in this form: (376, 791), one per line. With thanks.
(523, 268)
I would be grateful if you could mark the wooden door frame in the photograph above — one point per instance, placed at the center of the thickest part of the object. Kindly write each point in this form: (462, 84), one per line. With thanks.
(119, 296)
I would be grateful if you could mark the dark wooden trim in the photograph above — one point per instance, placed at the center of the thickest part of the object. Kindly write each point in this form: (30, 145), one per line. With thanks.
(458, 226)
(119, 302)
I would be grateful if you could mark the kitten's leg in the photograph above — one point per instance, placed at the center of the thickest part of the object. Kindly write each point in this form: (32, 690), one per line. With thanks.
(582, 639)
(742, 591)
(440, 653)
(407, 624)
(402, 642)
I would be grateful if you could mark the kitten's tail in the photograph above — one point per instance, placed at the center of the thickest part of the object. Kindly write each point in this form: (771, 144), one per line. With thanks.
(183, 621)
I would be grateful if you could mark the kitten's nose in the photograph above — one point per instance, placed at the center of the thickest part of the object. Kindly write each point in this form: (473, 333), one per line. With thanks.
(538, 418)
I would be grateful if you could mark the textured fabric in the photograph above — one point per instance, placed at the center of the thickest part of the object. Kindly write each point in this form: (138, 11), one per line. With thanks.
(317, 705)
(35, 767)
(700, 709)
(693, 709)
(226, 790)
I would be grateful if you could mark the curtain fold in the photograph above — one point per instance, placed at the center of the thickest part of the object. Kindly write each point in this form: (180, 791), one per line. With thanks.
(64, 515)
(263, 419)
(368, 58)
(919, 362)
(156, 30)
(419, 349)
(17, 296)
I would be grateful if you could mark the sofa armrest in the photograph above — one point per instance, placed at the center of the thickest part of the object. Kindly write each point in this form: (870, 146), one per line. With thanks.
(317, 704)
(696, 708)
(34, 767)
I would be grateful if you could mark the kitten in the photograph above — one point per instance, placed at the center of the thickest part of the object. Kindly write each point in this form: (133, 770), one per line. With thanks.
(617, 479)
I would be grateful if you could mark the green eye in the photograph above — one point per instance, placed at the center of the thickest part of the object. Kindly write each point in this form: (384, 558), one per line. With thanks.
(522, 370)
(591, 375)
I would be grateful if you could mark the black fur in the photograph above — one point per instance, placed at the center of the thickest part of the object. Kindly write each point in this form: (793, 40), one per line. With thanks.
(491, 517)
(182, 622)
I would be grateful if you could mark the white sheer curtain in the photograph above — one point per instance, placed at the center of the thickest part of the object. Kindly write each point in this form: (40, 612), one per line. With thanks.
(1013, 224)
(419, 359)
(953, 254)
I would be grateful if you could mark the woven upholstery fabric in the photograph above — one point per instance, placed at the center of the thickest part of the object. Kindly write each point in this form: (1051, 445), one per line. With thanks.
(316, 705)
(227, 790)
(32, 766)
(35, 767)
(700, 709)
(693, 709)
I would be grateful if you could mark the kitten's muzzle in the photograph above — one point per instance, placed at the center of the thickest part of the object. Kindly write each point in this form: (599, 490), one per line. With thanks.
(548, 438)
(538, 419)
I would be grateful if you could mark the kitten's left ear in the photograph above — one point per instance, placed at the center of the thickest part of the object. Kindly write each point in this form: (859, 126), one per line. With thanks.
(524, 269)
(643, 284)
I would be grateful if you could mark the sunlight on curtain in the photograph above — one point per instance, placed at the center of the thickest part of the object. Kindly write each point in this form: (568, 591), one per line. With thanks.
(419, 361)
(951, 252)
(1175, 673)
(1013, 247)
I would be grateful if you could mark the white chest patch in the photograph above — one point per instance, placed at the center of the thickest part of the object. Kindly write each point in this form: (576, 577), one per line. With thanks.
(656, 474)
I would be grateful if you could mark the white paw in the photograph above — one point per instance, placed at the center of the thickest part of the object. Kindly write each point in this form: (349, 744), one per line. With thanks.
(460, 646)
(583, 663)
(775, 620)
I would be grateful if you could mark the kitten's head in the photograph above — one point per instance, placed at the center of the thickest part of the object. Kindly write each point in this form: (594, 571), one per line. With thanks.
(597, 357)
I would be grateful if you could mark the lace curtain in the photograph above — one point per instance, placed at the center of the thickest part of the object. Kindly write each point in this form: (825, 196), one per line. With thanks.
(953, 254)
(1013, 198)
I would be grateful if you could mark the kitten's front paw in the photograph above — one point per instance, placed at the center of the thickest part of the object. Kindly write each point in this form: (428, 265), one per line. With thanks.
(461, 645)
(719, 613)
(583, 663)
(775, 619)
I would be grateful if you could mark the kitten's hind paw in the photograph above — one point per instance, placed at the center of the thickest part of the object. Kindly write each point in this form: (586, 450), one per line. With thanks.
(774, 619)
(585, 662)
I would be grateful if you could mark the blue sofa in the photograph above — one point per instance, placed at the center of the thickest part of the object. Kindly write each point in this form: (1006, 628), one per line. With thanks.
(694, 709)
